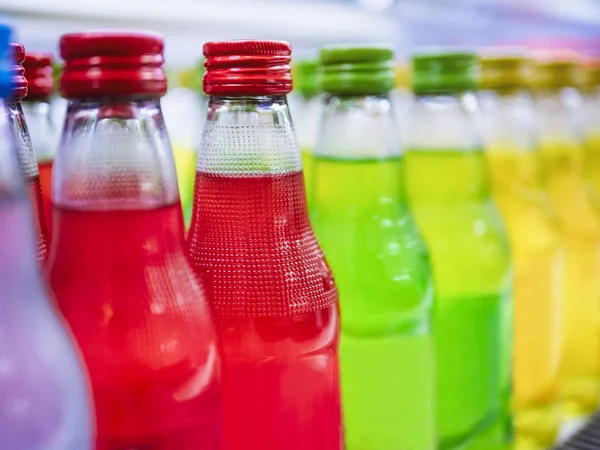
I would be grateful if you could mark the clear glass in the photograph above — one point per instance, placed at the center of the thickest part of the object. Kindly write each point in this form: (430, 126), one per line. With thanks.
(44, 138)
(58, 110)
(515, 169)
(449, 193)
(361, 217)
(402, 99)
(29, 169)
(307, 118)
(561, 149)
(253, 246)
(44, 402)
(146, 329)
(184, 109)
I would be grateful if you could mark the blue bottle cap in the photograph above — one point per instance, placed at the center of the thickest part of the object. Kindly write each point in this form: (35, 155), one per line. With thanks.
(5, 61)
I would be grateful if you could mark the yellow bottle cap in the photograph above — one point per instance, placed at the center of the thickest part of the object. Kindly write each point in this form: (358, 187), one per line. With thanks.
(559, 71)
(591, 72)
(505, 71)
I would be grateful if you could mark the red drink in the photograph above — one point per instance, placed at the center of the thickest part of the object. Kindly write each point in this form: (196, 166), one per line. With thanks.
(252, 245)
(147, 341)
(251, 237)
(37, 201)
(118, 263)
(45, 169)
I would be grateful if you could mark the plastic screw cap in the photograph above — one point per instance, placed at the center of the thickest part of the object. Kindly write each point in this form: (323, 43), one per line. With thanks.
(505, 71)
(19, 82)
(452, 71)
(307, 77)
(39, 75)
(557, 72)
(357, 69)
(6, 61)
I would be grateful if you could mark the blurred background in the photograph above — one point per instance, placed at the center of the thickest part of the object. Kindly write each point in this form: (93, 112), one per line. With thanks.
(308, 24)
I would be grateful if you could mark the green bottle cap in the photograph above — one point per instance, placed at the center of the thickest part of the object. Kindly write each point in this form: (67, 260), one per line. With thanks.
(198, 75)
(444, 72)
(357, 70)
(305, 73)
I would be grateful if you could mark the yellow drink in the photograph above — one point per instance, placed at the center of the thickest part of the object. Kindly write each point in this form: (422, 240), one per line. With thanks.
(538, 261)
(592, 163)
(185, 164)
(562, 171)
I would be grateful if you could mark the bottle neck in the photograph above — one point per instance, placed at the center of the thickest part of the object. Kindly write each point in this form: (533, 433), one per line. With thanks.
(17, 244)
(11, 179)
(26, 155)
(508, 120)
(591, 104)
(249, 137)
(559, 114)
(358, 156)
(42, 130)
(307, 120)
(445, 162)
(358, 128)
(443, 122)
(114, 154)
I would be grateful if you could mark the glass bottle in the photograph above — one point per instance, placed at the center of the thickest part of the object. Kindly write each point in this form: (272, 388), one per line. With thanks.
(449, 193)
(27, 158)
(183, 109)
(253, 246)
(591, 109)
(306, 111)
(511, 151)
(561, 150)
(44, 402)
(402, 93)
(145, 327)
(58, 104)
(361, 216)
(43, 131)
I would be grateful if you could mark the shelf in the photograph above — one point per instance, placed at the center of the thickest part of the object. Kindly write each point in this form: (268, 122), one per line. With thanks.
(186, 24)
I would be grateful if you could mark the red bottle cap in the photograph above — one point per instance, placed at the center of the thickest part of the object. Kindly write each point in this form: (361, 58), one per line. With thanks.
(109, 64)
(18, 72)
(247, 68)
(38, 72)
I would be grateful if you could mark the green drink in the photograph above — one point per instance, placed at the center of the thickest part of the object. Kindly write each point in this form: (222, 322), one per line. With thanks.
(306, 105)
(448, 191)
(360, 214)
